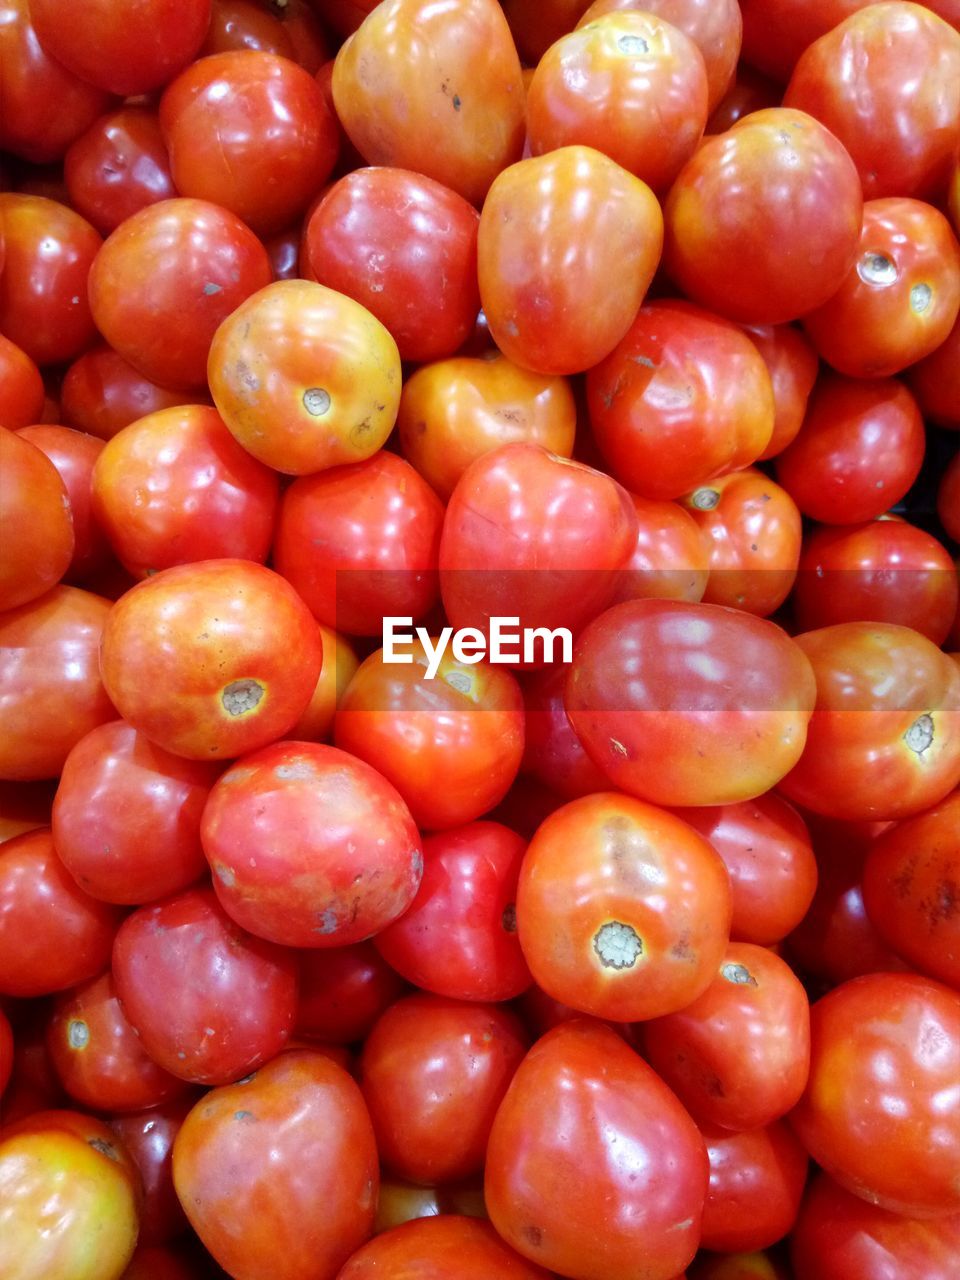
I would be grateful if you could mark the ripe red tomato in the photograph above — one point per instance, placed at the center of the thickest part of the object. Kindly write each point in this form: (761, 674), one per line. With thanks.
(343, 991)
(117, 167)
(34, 502)
(935, 381)
(435, 1247)
(670, 559)
(148, 1138)
(756, 1185)
(21, 386)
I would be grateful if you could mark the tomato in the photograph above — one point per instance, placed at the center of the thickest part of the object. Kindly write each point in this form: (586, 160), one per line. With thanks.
(683, 397)
(628, 84)
(840, 1235)
(148, 1138)
(465, 724)
(886, 83)
(166, 958)
(278, 1173)
(754, 208)
(124, 46)
(552, 752)
(623, 911)
(447, 98)
(900, 300)
(232, 651)
(715, 709)
(670, 560)
(406, 248)
(567, 247)
(589, 1134)
(753, 529)
(21, 387)
(756, 1184)
(337, 669)
(738, 1055)
(69, 1199)
(343, 991)
(305, 378)
(882, 571)
(459, 936)
(437, 1247)
(935, 381)
(52, 934)
(910, 884)
(250, 132)
(433, 1073)
(34, 501)
(884, 739)
(245, 24)
(310, 847)
(117, 167)
(174, 487)
(102, 393)
(858, 452)
(166, 278)
(880, 1111)
(792, 364)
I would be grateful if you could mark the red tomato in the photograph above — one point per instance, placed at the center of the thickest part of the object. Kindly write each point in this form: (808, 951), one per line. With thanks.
(588, 1134)
(310, 847)
(35, 503)
(117, 167)
(21, 386)
(623, 911)
(670, 560)
(715, 708)
(338, 668)
(459, 936)
(434, 1248)
(102, 393)
(232, 654)
(881, 1112)
(935, 381)
(246, 24)
(763, 220)
(278, 1173)
(166, 959)
(792, 365)
(552, 752)
(148, 1138)
(447, 98)
(756, 1184)
(343, 991)
(567, 247)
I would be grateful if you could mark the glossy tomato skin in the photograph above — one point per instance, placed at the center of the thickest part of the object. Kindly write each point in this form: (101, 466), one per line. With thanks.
(765, 846)
(166, 959)
(309, 846)
(53, 935)
(884, 739)
(148, 1138)
(465, 725)
(251, 132)
(670, 559)
(69, 1199)
(909, 889)
(433, 1073)
(567, 247)
(886, 82)
(935, 381)
(35, 503)
(902, 297)
(756, 1185)
(343, 991)
(117, 167)
(120, 794)
(52, 693)
(436, 1247)
(405, 247)
(174, 487)
(232, 651)
(684, 396)
(839, 1235)
(305, 378)
(552, 752)
(792, 364)
(338, 668)
(730, 734)
(21, 387)
(738, 1055)
(43, 287)
(880, 1113)
(586, 1134)
(764, 219)
(459, 936)
(126, 48)
(101, 393)
(447, 99)
(278, 1173)
(166, 278)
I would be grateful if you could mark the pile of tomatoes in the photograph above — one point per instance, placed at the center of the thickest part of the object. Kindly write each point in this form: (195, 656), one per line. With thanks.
(336, 339)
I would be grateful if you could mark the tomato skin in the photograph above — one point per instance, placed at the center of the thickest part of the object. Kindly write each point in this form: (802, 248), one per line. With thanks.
(69, 1199)
(886, 83)
(670, 559)
(233, 654)
(792, 364)
(756, 1185)
(738, 1055)
(167, 955)
(935, 381)
(586, 1134)
(148, 1138)
(337, 669)
(437, 1247)
(343, 991)
(447, 99)
(102, 393)
(309, 846)
(754, 208)
(838, 1235)
(879, 1113)
(459, 937)
(884, 739)
(21, 387)
(34, 501)
(673, 740)
(561, 278)
(909, 882)
(117, 167)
